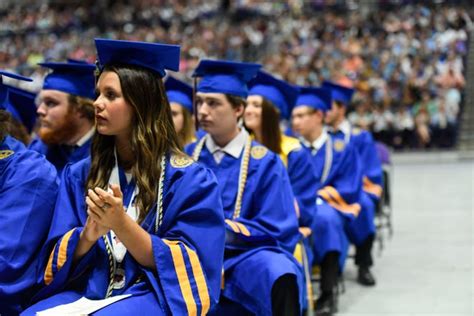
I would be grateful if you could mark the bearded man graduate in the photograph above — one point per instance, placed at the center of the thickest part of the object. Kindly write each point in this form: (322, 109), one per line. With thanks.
(66, 113)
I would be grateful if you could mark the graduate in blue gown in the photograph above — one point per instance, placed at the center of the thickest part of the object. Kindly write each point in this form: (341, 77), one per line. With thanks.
(180, 96)
(260, 274)
(21, 105)
(269, 101)
(138, 217)
(28, 189)
(65, 113)
(363, 231)
(338, 172)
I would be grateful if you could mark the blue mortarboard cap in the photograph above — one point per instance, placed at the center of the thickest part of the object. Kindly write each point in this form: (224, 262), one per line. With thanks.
(316, 98)
(21, 104)
(228, 77)
(339, 93)
(4, 88)
(73, 78)
(179, 92)
(153, 56)
(280, 93)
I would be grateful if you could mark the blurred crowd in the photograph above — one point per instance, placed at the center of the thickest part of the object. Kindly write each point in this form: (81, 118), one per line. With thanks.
(407, 62)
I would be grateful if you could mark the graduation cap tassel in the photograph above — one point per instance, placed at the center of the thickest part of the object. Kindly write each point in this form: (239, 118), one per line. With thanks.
(196, 122)
(97, 71)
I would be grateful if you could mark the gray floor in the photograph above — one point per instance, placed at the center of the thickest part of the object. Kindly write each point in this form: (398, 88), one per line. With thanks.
(427, 267)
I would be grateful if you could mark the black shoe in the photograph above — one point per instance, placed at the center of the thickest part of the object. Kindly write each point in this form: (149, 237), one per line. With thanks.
(325, 305)
(365, 277)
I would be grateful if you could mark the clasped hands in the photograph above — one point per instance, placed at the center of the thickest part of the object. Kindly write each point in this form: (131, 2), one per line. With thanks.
(105, 212)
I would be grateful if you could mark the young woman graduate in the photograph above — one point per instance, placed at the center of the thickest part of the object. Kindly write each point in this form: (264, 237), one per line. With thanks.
(269, 100)
(166, 248)
(180, 96)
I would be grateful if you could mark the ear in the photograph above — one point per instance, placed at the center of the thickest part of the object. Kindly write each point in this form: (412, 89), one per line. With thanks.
(239, 111)
(342, 110)
(76, 112)
(320, 115)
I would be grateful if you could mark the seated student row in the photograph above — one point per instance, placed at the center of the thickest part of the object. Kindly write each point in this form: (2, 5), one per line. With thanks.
(258, 203)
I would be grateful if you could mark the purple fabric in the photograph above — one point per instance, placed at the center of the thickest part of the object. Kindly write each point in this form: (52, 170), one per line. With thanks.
(384, 153)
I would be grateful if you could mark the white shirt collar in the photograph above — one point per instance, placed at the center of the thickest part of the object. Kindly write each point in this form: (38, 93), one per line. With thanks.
(233, 148)
(85, 138)
(345, 127)
(317, 143)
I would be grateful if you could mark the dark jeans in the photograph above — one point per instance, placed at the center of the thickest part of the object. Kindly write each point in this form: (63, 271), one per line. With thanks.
(363, 256)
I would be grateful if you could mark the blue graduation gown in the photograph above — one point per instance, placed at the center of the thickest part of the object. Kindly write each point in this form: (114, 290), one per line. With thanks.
(303, 182)
(372, 171)
(338, 197)
(372, 177)
(28, 189)
(60, 155)
(188, 248)
(265, 232)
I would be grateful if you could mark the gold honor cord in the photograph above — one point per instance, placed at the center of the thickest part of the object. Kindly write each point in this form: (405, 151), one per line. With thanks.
(328, 160)
(159, 205)
(244, 168)
(198, 148)
(112, 265)
(158, 221)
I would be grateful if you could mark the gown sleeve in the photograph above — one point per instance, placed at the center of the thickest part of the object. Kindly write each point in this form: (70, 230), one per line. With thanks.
(271, 217)
(304, 184)
(371, 165)
(56, 268)
(27, 194)
(190, 250)
(342, 190)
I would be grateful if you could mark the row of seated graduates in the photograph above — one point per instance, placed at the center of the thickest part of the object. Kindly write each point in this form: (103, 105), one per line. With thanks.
(337, 155)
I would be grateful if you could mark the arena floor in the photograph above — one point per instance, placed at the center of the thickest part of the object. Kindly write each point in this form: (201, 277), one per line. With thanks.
(427, 267)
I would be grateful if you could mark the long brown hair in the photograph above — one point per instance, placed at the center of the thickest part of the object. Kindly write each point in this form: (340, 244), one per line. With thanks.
(235, 101)
(10, 126)
(186, 134)
(271, 134)
(85, 106)
(153, 135)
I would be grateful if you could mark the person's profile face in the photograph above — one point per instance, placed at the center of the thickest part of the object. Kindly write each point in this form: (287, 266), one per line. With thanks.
(52, 107)
(57, 120)
(178, 116)
(303, 120)
(253, 112)
(333, 114)
(113, 114)
(216, 114)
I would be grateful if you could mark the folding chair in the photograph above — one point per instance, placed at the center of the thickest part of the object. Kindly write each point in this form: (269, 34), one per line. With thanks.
(383, 216)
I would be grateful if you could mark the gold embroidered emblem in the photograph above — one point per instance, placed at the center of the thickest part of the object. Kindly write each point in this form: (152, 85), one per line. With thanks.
(339, 145)
(180, 161)
(6, 153)
(258, 152)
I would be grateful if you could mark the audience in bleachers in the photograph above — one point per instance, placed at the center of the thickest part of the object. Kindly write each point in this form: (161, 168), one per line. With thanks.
(347, 74)
(393, 57)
